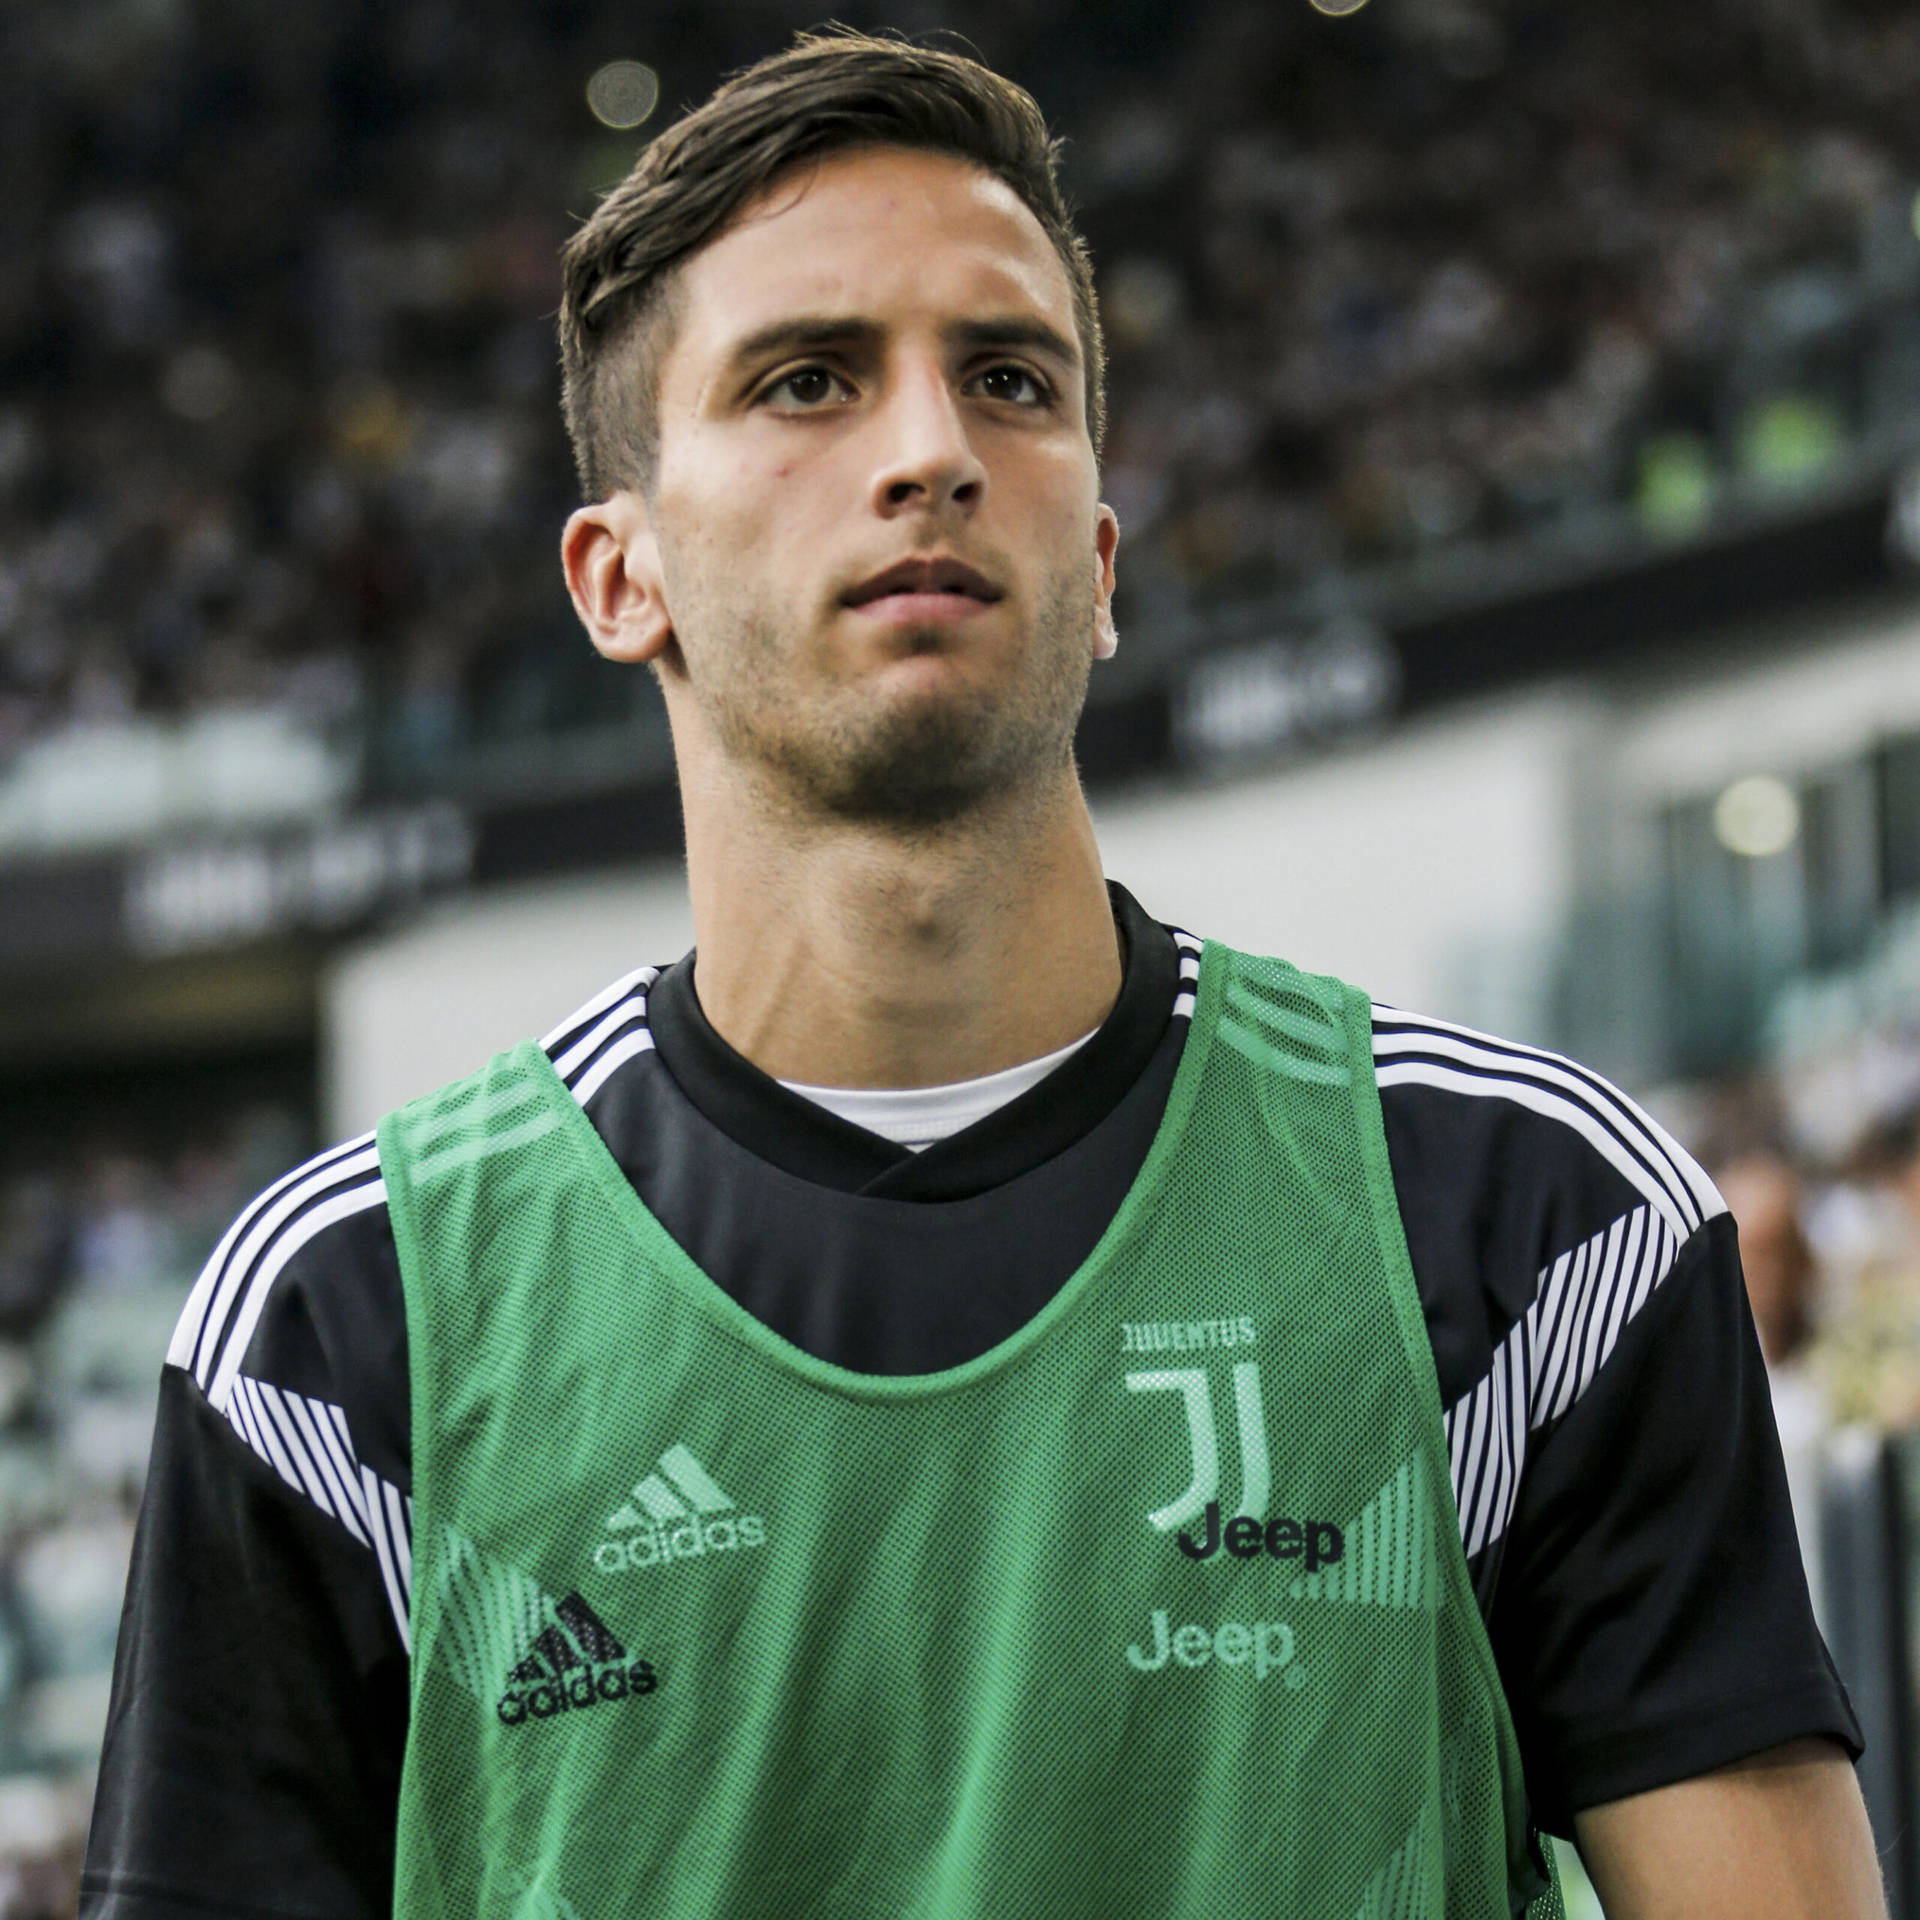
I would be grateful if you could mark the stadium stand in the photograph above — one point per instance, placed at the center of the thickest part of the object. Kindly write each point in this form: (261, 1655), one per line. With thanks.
(1440, 294)
(279, 425)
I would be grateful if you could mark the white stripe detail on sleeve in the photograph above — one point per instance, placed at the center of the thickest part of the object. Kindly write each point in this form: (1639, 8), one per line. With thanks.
(1459, 1060)
(323, 1450)
(577, 1043)
(1552, 1106)
(628, 1047)
(255, 1225)
(231, 1349)
(224, 1308)
(603, 1031)
(400, 1533)
(387, 1514)
(639, 980)
(1582, 1303)
(1187, 947)
(340, 1444)
(306, 1443)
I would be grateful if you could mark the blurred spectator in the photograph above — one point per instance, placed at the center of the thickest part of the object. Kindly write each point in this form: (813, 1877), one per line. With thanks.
(1869, 1232)
(1764, 1193)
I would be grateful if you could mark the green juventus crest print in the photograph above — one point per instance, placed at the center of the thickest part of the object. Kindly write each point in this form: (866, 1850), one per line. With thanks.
(1158, 1608)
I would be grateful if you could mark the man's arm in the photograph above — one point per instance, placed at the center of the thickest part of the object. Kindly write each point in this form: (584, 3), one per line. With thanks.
(1780, 1836)
(1626, 1519)
(259, 1715)
(253, 1747)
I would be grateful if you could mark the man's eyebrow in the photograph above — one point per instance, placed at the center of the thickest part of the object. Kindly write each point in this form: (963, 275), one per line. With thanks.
(1018, 331)
(812, 333)
(804, 333)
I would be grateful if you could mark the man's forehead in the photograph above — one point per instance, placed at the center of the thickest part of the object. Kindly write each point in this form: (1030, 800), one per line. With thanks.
(867, 230)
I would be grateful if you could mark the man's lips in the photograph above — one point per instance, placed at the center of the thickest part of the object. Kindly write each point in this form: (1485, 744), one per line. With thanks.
(924, 589)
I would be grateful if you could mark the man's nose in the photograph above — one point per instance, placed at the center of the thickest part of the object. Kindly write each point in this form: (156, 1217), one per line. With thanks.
(926, 458)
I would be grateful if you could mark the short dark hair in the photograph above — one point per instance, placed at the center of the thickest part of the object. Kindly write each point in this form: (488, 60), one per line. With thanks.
(830, 91)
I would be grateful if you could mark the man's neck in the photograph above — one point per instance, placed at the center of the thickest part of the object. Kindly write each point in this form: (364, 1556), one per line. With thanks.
(853, 957)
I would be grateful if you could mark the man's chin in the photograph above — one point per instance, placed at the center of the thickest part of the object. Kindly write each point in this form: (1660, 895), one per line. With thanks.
(929, 783)
(912, 735)
(924, 762)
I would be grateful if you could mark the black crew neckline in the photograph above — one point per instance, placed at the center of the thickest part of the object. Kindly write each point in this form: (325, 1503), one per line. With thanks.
(804, 1139)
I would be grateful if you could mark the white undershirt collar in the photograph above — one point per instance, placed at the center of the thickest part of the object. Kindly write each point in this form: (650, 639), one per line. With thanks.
(915, 1117)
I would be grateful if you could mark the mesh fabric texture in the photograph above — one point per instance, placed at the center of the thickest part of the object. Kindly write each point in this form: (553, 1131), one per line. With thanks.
(1157, 1609)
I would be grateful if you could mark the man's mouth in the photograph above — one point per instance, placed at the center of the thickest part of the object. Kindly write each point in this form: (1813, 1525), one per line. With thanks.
(924, 583)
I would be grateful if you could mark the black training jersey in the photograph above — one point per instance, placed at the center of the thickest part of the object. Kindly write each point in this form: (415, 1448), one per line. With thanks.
(1618, 1481)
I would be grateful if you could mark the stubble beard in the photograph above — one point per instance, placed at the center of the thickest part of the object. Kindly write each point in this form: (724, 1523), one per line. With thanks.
(917, 765)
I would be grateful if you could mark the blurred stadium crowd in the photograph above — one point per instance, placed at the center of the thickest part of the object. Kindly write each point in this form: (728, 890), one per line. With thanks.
(99, 1242)
(1819, 1156)
(277, 391)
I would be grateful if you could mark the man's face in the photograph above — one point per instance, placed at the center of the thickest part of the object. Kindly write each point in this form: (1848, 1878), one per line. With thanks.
(875, 503)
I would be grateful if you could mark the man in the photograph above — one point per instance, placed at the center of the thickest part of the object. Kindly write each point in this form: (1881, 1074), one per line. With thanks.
(925, 1407)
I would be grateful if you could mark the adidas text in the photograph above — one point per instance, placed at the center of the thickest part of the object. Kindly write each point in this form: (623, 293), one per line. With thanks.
(655, 1546)
(1264, 1645)
(587, 1689)
(677, 1512)
(576, 1661)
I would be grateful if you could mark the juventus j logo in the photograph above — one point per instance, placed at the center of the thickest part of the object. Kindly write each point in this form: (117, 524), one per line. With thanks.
(1191, 1384)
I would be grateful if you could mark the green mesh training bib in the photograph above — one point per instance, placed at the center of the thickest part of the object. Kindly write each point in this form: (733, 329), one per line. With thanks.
(1158, 1609)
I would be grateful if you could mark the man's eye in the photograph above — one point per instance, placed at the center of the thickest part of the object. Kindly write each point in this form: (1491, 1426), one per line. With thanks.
(805, 387)
(1015, 384)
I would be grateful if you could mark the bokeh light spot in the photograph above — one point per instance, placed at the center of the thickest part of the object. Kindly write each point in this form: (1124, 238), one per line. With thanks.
(1757, 817)
(623, 93)
(1338, 8)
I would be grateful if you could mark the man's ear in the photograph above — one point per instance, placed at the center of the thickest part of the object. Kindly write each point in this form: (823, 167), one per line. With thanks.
(612, 563)
(1106, 538)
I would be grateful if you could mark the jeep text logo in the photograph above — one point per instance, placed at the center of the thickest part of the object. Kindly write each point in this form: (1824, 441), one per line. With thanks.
(1319, 1542)
(1264, 1645)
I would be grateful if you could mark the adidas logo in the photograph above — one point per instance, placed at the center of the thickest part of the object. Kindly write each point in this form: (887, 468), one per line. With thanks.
(678, 1513)
(578, 1662)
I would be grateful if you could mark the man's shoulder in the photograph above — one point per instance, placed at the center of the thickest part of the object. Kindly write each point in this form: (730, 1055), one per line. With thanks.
(303, 1294)
(1534, 1194)
(1521, 1126)
(1476, 1122)
(325, 1222)
(585, 1050)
